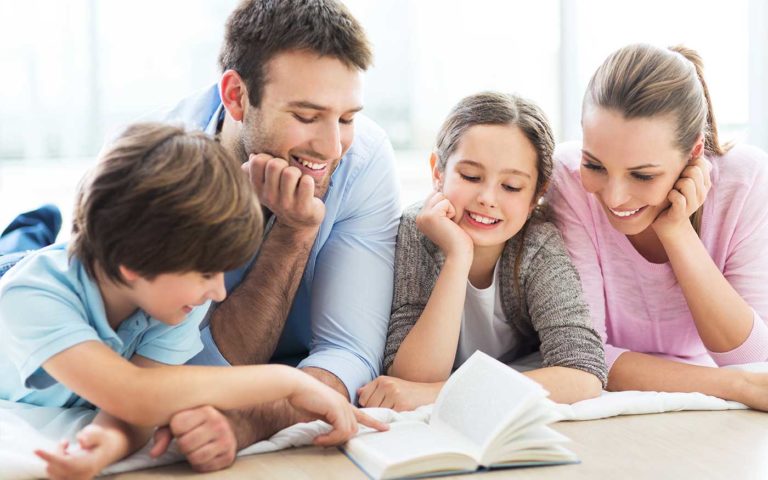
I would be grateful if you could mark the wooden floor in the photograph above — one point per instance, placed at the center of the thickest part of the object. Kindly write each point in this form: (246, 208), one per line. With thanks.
(683, 445)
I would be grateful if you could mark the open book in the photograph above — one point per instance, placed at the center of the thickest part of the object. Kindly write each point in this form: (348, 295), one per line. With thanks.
(487, 416)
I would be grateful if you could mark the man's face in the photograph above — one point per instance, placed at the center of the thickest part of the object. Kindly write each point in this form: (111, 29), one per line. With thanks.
(306, 114)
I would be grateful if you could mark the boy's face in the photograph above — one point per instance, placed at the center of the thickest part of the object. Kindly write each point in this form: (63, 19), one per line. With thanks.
(170, 297)
(306, 115)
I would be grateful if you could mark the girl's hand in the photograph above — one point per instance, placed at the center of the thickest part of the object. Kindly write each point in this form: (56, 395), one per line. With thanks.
(398, 394)
(436, 221)
(320, 401)
(685, 198)
(83, 464)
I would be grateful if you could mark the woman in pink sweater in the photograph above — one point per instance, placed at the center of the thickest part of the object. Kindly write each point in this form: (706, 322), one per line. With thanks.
(668, 230)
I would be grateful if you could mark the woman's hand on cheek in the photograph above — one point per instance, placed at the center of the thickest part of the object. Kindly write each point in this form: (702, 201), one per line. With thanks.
(436, 221)
(398, 394)
(687, 195)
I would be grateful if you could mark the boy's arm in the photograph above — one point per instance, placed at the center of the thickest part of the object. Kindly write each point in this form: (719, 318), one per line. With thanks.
(111, 442)
(98, 374)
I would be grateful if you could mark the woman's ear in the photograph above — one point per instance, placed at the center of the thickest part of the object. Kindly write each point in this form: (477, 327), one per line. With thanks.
(698, 147)
(234, 94)
(437, 176)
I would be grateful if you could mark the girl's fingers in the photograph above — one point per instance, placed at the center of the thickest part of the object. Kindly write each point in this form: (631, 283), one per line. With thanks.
(445, 208)
(432, 199)
(364, 393)
(376, 397)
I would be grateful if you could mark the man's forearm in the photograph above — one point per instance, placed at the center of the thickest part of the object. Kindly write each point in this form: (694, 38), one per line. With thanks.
(260, 423)
(247, 326)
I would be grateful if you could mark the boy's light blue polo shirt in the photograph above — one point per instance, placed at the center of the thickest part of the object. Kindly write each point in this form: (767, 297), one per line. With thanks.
(49, 304)
(339, 317)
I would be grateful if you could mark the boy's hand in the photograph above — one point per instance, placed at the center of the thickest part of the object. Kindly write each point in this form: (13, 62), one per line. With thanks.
(687, 195)
(436, 221)
(321, 401)
(285, 191)
(398, 394)
(83, 464)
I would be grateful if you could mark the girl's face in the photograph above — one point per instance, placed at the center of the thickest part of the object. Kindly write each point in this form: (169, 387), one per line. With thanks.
(491, 180)
(630, 166)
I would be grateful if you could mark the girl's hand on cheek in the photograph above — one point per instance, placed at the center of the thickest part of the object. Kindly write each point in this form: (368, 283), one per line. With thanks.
(437, 221)
(687, 195)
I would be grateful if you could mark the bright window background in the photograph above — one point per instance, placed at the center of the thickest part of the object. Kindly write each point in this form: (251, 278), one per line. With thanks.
(73, 71)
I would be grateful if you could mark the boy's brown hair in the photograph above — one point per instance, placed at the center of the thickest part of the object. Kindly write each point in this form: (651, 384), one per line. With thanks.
(164, 200)
(258, 30)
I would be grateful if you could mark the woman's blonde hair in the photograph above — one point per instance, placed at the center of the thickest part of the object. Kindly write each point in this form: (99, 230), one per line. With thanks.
(641, 81)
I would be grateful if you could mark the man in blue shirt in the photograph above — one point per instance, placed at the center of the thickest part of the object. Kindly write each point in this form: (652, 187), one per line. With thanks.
(318, 294)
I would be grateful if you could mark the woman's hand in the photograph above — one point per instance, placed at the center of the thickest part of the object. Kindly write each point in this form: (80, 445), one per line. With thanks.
(318, 400)
(436, 221)
(687, 195)
(398, 394)
(84, 464)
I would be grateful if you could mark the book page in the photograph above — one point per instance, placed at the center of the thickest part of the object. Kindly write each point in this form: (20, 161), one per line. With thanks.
(482, 397)
(409, 447)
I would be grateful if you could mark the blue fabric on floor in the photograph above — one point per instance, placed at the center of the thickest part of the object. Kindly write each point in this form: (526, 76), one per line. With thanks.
(31, 230)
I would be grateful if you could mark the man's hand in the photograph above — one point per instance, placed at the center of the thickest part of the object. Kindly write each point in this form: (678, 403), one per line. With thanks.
(204, 435)
(285, 191)
(398, 394)
(84, 464)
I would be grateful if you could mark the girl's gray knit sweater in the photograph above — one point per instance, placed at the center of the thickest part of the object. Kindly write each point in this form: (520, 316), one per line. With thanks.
(550, 314)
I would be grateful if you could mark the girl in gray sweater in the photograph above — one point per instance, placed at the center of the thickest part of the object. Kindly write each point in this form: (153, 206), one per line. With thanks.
(477, 268)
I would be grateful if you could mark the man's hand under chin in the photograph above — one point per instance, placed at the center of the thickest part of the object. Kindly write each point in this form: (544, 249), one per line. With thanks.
(285, 191)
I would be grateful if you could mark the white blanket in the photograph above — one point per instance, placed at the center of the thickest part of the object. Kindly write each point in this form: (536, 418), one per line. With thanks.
(24, 429)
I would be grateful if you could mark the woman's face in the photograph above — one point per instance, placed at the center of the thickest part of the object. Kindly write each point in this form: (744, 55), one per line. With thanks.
(629, 165)
(491, 181)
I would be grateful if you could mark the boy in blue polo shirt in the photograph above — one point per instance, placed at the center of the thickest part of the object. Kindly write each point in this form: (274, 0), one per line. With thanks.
(158, 221)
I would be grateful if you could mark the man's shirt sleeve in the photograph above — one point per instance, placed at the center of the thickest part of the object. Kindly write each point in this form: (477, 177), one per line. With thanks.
(351, 293)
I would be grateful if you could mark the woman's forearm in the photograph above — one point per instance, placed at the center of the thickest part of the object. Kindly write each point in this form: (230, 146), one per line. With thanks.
(723, 319)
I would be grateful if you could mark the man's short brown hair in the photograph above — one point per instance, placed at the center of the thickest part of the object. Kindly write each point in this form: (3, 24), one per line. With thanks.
(258, 30)
(164, 200)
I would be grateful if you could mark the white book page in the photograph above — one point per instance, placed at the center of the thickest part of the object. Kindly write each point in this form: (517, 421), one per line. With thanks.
(404, 442)
(483, 396)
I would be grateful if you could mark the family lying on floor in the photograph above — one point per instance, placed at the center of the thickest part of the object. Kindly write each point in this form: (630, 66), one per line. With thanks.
(267, 230)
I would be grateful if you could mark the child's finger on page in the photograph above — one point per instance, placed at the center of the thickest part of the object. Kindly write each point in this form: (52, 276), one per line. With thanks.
(369, 421)
(334, 437)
